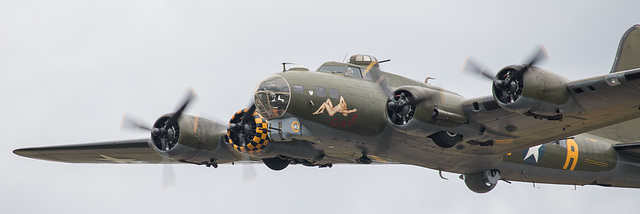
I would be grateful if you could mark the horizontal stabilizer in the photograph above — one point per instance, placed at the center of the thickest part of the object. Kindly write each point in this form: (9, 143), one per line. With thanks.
(629, 149)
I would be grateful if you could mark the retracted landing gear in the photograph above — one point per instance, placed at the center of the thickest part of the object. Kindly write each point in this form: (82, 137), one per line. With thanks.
(276, 163)
(446, 139)
(482, 182)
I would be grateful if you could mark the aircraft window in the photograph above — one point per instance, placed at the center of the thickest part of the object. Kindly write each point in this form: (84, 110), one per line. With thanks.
(321, 91)
(353, 72)
(333, 68)
(298, 88)
(333, 93)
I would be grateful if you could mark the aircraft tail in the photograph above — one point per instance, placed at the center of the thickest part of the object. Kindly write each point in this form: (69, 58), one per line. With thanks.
(628, 55)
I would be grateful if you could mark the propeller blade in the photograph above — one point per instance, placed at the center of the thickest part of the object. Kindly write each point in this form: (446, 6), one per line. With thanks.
(163, 144)
(243, 142)
(473, 66)
(168, 175)
(174, 119)
(130, 122)
(539, 55)
(394, 117)
(376, 74)
(248, 170)
(248, 115)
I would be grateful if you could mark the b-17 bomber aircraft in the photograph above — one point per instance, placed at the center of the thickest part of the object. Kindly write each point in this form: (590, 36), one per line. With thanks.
(537, 126)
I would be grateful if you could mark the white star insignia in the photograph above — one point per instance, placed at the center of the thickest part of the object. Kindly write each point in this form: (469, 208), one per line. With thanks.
(533, 151)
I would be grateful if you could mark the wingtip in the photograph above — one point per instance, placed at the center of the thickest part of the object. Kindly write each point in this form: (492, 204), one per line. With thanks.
(24, 152)
(33, 153)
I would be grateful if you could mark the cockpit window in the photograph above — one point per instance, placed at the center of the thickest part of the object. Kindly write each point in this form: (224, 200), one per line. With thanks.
(333, 68)
(272, 97)
(348, 70)
(353, 72)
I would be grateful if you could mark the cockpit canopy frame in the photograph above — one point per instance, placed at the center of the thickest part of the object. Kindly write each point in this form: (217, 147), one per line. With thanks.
(272, 97)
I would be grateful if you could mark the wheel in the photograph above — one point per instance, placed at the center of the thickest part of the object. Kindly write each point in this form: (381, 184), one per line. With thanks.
(482, 182)
(446, 139)
(276, 163)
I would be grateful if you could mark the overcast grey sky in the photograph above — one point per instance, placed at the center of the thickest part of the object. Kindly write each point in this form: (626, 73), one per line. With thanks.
(71, 69)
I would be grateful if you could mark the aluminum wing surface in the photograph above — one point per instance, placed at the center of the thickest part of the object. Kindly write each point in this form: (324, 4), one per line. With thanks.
(119, 152)
(602, 100)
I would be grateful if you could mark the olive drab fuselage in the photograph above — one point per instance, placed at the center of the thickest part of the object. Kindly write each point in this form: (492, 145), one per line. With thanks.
(336, 111)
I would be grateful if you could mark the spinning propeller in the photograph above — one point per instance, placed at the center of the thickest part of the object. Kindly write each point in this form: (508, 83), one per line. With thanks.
(508, 85)
(400, 105)
(504, 83)
(243, 129)
(164, 135)
(168, 134)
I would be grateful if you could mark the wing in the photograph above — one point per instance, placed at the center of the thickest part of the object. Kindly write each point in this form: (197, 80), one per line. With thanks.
(128, 151)
(139, 152)
(603, 100)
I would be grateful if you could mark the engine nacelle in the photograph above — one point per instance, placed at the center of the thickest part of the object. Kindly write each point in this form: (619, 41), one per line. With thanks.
(192, 139)
(425, 111)
(252, 138)
(537, 92)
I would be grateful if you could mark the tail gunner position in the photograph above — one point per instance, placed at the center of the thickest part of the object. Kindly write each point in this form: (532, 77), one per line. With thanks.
(537, 126)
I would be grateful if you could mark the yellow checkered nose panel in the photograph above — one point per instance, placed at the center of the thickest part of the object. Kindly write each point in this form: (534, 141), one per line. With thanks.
(251, 137)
